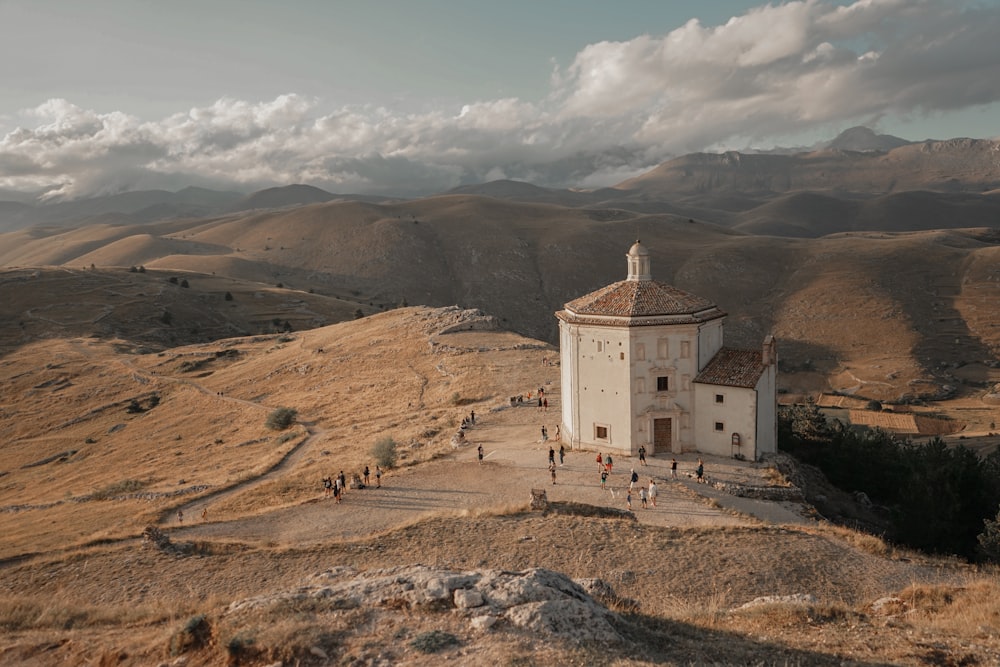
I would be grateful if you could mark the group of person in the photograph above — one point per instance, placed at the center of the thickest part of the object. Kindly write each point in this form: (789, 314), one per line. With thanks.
(336, 485)
(552, 457)
(647, 495)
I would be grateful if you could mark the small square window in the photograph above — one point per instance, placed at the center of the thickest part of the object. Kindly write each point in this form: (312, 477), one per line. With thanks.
(719, 426)
(621, 355)
(601, 432)
(662, 383)
(719, 398)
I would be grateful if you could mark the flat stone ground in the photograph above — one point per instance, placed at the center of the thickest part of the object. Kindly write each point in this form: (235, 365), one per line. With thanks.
(515, 461)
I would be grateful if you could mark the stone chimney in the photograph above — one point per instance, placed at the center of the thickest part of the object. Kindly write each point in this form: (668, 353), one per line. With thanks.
(769, 353)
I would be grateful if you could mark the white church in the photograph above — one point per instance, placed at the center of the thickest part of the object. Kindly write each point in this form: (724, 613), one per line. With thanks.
(643, 363)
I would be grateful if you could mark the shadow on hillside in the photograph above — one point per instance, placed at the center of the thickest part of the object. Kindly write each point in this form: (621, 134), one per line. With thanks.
(797, 356)
(945, 341)
(674, 642)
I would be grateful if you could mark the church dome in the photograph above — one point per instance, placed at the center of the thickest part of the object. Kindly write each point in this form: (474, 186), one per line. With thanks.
(639, 300)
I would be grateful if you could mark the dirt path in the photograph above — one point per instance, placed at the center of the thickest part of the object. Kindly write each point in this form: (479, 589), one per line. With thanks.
(515, 461)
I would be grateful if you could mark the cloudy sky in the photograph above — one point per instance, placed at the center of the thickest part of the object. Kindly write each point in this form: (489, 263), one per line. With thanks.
(412, 97)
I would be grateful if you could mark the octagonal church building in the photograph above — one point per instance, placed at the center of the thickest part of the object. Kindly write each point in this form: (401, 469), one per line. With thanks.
(643, 363)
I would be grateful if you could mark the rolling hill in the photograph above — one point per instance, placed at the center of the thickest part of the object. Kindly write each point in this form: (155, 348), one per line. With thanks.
(895, 312)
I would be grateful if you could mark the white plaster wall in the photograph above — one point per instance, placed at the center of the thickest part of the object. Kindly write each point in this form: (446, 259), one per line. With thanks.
(767, 412)
(710, 340)
(567, 381)
(600, 382)
(738, 413)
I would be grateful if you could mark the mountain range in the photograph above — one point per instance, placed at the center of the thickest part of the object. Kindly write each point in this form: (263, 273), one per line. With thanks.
(874, 268)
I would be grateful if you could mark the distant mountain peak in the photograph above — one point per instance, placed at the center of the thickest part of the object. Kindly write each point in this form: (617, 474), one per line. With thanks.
(296, 194)
(863, 139)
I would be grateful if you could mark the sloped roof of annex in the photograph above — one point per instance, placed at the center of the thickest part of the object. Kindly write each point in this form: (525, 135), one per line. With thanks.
(733, 367)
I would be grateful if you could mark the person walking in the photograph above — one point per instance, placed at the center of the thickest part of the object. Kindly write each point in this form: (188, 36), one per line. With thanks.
(700, 472)
(552, 456)
(600, 463)
(562, 454)
(642, 497)
(367, 473)
(604, 478)
(633, 478)
(545, 434)
(652, 493)
(628, 499)
(552, 470)
(608, 462)
(545, 405)
(378, 477)
(480, 450)
(673, 468)
(642, 454)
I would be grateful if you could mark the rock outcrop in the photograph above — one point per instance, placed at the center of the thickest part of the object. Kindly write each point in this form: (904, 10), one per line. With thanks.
(539, 600)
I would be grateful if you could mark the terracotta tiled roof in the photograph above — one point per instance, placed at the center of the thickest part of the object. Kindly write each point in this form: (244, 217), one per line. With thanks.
(639, 298)
(733, 368)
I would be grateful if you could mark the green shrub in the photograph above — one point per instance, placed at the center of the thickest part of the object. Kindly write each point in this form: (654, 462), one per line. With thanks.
(938, 497)
(196, 633)
(989, 539)
(434, 641)
(384, 452)
(281, 418)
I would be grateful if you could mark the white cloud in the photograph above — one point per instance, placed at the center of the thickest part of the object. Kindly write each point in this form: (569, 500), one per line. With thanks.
(618, 108)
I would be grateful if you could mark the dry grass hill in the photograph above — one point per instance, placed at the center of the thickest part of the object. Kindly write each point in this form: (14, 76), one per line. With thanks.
(102, 440)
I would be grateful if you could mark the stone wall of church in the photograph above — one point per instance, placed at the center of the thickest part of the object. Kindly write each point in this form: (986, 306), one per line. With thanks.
(663, 366)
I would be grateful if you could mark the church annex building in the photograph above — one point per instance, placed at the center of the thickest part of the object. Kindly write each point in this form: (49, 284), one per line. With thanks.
(643, 363)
